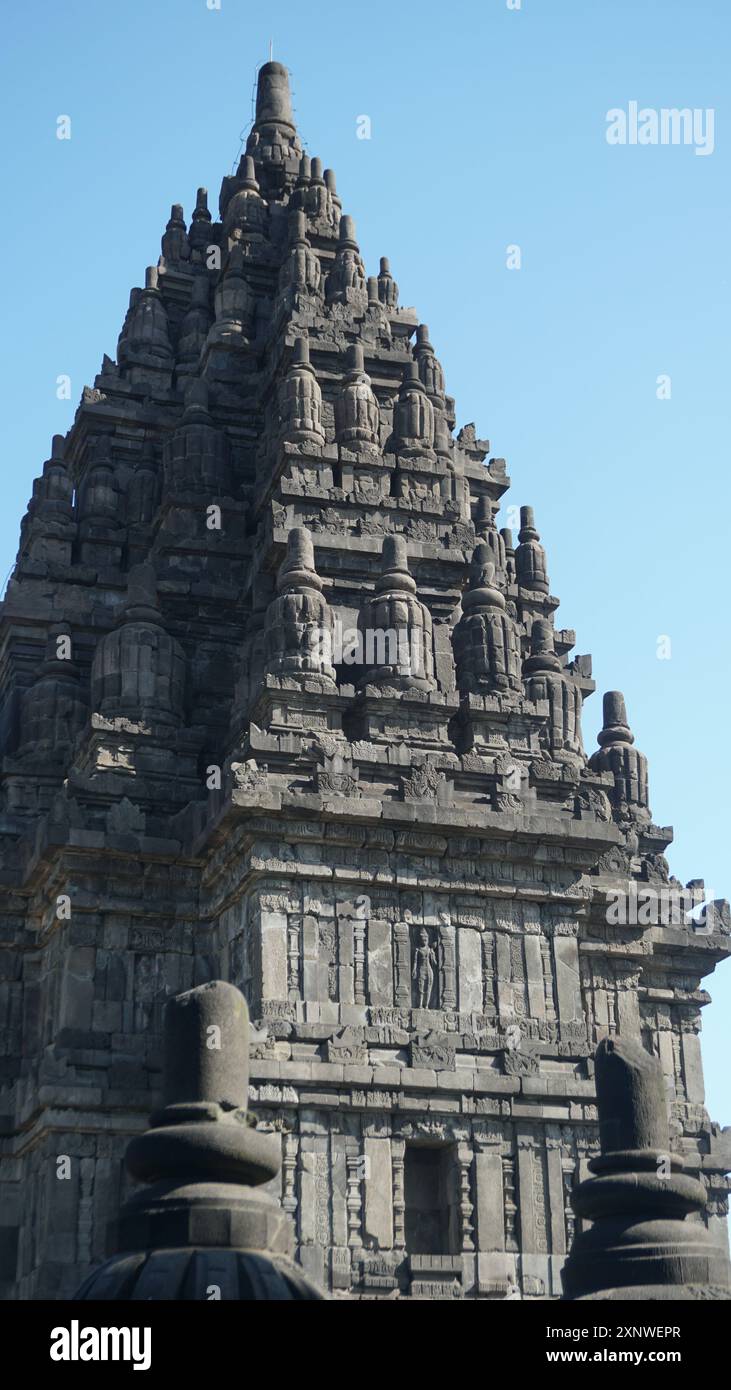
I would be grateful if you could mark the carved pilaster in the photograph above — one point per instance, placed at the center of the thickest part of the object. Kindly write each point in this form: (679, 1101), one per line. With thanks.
(466, 1207)
(359, 961)
(511, 1204)
(447, 962)
(354, 1169)
(289, 1173)
(293, 957)
(398, 1150)
(489, 972)
(402, 965)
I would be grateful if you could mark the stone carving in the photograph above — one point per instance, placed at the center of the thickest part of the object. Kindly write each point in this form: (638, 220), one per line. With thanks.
(357, 418)
(302, 400)
(233, 301)
(396, 629)
(387, 287)
(54, 709)
(248, 776)
(175, 244)
(246, 212)
(299, 622)
(639, 1244)
(617, 755)
(530, 557)
(424, 783)
(413, 424)
(145, 337)
(486, 644)
(346, 282)
(197, 456)
(545, 680)
(139, 669)
(203, 1160)
(424, 970)
(301, 270)
(405, 863)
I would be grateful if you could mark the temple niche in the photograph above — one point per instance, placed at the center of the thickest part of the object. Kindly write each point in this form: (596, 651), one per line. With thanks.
(284, 705)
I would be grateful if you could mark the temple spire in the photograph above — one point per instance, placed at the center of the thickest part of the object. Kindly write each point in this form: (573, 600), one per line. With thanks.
(616, 754)
(273, 142)
(273, 96)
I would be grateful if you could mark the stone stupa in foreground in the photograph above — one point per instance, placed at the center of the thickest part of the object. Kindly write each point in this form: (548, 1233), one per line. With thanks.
(281, 704)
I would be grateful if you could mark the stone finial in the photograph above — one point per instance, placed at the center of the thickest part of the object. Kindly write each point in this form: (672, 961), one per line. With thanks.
(299, 621)
(640, 1244)
(616, 754)
(357, 417)
(395, 627)
(246, 213)
(273, 141)
(138, 672)
(630, 1088)
(248, 174)
(99, 492)
(542, 650)
(346, 282)
(302, 184)
(301, 268)
(413, 420)
(234, 304)
(300, 193)
(506, 536)
(201, 212)
(546, 680)
(273, 97)
(206, 1049)
(200, 1222)
(395, 566)
(53, 491)
(196, 323)
(54, 709)
(175, 245)
(318, 201)
(332, 188)
(197, 456)
(145, 337)
(616, 725)
(302, 400)
(485, 640)
(199, 232)
(488, 532)
(387, 287)
(298, 566)
(429, 366)
(530, 557)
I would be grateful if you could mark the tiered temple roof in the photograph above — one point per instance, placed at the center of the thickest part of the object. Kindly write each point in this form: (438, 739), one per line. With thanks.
(267, 655)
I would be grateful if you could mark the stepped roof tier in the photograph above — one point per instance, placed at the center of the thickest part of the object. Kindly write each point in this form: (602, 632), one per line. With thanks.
(282, 703)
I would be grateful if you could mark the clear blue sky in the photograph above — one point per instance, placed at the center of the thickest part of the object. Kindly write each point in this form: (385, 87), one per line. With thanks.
(488, 129)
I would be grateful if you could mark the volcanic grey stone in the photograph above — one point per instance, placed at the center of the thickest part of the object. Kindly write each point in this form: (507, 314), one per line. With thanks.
(328, 735)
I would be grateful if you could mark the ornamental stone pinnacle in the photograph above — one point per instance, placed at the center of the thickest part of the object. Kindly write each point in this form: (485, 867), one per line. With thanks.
(283, 704)
(199, 1229)
(636, 1241)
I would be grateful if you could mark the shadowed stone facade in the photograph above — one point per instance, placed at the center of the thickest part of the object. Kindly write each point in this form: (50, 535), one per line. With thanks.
(281, 704)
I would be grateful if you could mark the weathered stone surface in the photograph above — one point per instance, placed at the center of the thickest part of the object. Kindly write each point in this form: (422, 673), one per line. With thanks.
(201, 1226)
(325, 744)
(639, 1243)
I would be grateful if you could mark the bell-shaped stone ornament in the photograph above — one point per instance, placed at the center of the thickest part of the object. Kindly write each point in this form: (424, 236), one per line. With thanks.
(357, 417)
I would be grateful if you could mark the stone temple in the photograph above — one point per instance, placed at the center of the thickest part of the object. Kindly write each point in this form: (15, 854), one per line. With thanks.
(282, 705)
